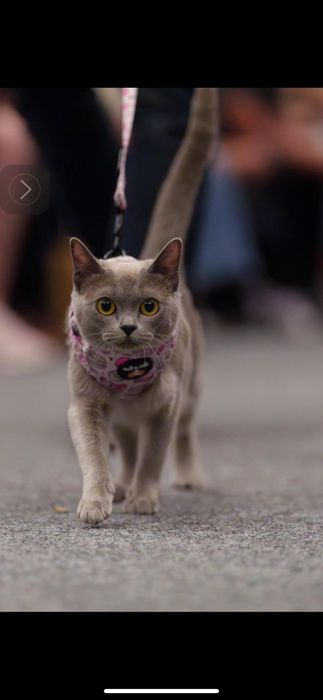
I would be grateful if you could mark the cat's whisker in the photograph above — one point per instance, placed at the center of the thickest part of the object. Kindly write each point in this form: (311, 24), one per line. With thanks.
(153, 353)
(98, 352)
(95, 335)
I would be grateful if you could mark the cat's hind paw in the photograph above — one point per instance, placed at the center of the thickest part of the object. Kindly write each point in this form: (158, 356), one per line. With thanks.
(193, 478)
(119, 493)
(145, 504)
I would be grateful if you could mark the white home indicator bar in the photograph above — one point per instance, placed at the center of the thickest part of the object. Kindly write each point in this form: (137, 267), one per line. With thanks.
(161, 691)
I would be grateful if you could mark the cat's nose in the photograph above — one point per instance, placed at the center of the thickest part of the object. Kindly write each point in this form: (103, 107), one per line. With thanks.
(128, 328)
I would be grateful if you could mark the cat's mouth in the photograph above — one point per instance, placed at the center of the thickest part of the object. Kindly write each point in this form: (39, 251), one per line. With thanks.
(135, 368)
(127, 343)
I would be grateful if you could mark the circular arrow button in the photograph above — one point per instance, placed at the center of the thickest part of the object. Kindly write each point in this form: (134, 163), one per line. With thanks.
(24, 189)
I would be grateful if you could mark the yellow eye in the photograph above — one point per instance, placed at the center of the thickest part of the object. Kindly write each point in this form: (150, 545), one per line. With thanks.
(149, 307)
(105, 306)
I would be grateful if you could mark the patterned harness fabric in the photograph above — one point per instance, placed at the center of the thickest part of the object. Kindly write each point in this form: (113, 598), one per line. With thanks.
(129, 373)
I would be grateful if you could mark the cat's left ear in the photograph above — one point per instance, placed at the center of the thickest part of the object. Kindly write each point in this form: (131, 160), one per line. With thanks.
(168, 261)
(84, 263)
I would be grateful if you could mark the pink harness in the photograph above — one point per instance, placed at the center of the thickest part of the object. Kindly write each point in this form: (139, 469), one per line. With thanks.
(129, 373)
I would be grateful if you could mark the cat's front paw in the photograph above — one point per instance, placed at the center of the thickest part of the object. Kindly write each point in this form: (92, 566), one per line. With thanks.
(145, 503)
(95, 508)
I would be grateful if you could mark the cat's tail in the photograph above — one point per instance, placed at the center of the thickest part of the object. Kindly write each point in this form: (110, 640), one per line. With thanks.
(174, 206)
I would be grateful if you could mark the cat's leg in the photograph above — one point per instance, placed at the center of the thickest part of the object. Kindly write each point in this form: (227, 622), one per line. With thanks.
(88, 427)
(154, 439)
(128, 444)
(188, 470)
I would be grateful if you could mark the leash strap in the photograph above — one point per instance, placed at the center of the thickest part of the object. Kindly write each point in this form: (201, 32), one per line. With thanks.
(129, 99)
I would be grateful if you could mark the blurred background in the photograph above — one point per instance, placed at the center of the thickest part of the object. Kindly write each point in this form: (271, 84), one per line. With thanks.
(254, 252)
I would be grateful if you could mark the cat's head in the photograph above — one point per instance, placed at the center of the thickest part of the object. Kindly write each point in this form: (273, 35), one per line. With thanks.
(124, 302)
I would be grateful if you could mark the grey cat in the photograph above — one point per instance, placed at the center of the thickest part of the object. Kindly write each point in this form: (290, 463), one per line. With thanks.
(135, 343)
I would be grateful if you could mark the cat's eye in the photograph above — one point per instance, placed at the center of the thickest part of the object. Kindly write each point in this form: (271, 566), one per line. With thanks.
(149, 307)
(106, 306)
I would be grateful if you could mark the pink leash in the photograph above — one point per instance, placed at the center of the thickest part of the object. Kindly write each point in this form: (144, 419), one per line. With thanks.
(129, 99)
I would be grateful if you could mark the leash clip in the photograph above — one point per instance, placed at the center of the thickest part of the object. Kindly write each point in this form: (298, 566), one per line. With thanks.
(116, 250)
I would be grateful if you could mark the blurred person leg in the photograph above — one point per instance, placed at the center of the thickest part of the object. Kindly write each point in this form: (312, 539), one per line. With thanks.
(159, 126)
(225, 259)
(21, 345)
(80, 148)
(286, 217)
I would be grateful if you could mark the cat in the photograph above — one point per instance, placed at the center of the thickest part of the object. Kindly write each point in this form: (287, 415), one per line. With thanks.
(135, 340)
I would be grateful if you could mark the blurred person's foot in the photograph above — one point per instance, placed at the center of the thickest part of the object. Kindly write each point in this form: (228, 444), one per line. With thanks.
(283, 308)
(22, 347)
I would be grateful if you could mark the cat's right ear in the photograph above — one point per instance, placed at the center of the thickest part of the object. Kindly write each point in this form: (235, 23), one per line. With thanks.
(84, 263)
(168, 261)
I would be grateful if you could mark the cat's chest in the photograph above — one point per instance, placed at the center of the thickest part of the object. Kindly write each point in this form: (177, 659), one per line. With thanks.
(139, 409)
(136, 409)
(130, 413)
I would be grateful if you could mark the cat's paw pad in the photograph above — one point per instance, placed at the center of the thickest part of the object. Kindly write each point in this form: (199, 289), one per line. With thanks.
(95, 509)
(119, 493)
(145, 504)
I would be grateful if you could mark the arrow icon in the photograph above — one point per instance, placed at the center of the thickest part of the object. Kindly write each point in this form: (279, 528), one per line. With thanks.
(24, 188)
(28, 189)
